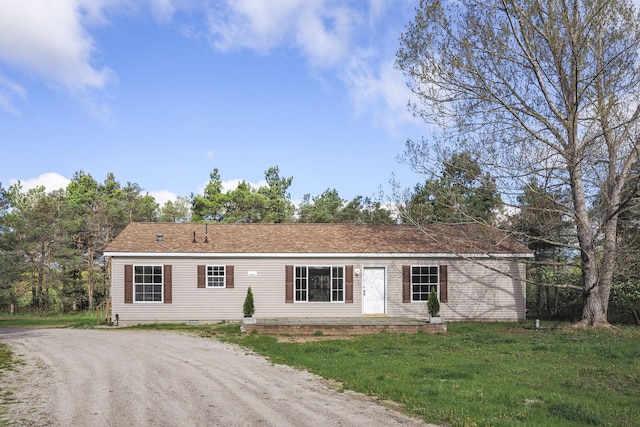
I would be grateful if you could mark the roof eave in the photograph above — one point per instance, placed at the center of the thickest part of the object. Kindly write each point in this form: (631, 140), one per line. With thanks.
(308, 255)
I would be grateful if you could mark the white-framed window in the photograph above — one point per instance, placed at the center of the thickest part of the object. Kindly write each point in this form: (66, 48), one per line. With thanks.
(147, 283)
(319, 284)
(424, 280)
(215, 276)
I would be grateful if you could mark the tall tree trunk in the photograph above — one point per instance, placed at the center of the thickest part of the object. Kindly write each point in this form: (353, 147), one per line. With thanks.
(34, 288)
(90, 273)
(594, 281)
(597, 297)
(41, 279)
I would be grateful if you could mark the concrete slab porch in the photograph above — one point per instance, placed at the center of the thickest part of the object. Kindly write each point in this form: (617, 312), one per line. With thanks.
(337, 326)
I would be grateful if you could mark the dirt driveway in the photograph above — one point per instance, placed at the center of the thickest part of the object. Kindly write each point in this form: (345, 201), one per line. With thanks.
(74, 377)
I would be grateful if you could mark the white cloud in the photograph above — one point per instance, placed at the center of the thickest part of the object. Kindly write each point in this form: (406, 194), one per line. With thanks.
(380, 92)
(162, 10)
(324, 34)
(50, 39)
(320, 30)
(332, 36)
(254, 25)
(9, 90)
(163, 196)
(51, 181)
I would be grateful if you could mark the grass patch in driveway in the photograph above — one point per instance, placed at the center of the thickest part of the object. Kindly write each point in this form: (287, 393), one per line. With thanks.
(6, 397)
(483, 374)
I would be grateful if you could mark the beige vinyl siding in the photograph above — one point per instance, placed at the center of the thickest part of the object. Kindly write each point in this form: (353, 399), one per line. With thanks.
(475, 292)
(190, 303)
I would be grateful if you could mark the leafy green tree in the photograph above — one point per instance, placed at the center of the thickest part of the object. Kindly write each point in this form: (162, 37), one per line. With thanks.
(33, 220)
(324, 208)
(83, 224)
(95, 214)
(541, 224)
(11, 264)
(625, 292)
(212, 204)
(463, 193)
(625, 299)
(277, 201)
(374, 212)
(329, 207)
(176, 210)
(244, 204)
(351, 212)
(270, 203)
(364, 210)
(539, 89)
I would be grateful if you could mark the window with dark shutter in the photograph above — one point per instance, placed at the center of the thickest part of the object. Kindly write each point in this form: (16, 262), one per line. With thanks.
(202, 269)
(444, 289)
(229, 278)
(406, 283)
(288, 274)
(348, 298)
(168, 283)
(128, 284)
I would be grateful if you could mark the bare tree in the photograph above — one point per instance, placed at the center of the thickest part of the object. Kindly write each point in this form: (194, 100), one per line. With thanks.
(541, 89)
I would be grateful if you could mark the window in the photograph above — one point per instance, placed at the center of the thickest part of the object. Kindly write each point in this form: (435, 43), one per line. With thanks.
(424, 280)
(215, 276)
(147, 282)
(319, 284)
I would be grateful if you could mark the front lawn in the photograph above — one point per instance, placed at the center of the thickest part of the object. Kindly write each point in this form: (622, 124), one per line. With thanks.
(477, 374)
(483, 374)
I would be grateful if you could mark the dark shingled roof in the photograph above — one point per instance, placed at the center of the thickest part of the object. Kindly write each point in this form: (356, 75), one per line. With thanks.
(314, 238)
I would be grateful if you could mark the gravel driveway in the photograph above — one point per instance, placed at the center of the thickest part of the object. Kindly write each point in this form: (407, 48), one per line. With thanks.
(74, 377)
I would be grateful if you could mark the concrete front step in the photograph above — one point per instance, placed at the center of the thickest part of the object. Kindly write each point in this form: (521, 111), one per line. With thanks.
(341, 326)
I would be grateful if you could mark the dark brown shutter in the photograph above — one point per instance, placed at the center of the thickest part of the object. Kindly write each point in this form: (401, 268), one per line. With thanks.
(406, 283)
(288, 280)
(128, 284)
(228, 271)
(168, 284)
(202, 279)
(444, 288)
(348, 291)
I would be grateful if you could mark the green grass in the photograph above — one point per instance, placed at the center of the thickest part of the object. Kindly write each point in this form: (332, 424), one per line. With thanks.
(483, 374)
(80, 320)
(6, 362)
(477, 374)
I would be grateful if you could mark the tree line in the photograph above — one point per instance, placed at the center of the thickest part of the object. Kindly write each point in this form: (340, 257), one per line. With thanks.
(52, 243)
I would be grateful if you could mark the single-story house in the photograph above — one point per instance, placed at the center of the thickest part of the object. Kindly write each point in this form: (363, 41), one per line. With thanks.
(166, 272)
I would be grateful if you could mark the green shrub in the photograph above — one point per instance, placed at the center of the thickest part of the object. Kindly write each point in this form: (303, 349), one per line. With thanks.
(248, 307)
(433, 305)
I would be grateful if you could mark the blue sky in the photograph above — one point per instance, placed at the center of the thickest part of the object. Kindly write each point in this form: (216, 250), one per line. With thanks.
(160, 92)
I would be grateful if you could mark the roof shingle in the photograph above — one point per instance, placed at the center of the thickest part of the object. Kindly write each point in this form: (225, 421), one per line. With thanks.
(313, 238)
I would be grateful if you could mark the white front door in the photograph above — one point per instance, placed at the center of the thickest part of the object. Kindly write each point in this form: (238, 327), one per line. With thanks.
(373, 288)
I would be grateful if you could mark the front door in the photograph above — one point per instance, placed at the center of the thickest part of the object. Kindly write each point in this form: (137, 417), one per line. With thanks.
(373, 287)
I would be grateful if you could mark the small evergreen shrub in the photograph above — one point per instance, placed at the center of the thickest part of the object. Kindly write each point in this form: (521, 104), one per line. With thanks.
(248, 308)
(433, 305)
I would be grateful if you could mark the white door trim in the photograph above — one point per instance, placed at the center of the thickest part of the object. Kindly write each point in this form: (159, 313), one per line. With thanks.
(375, 289)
